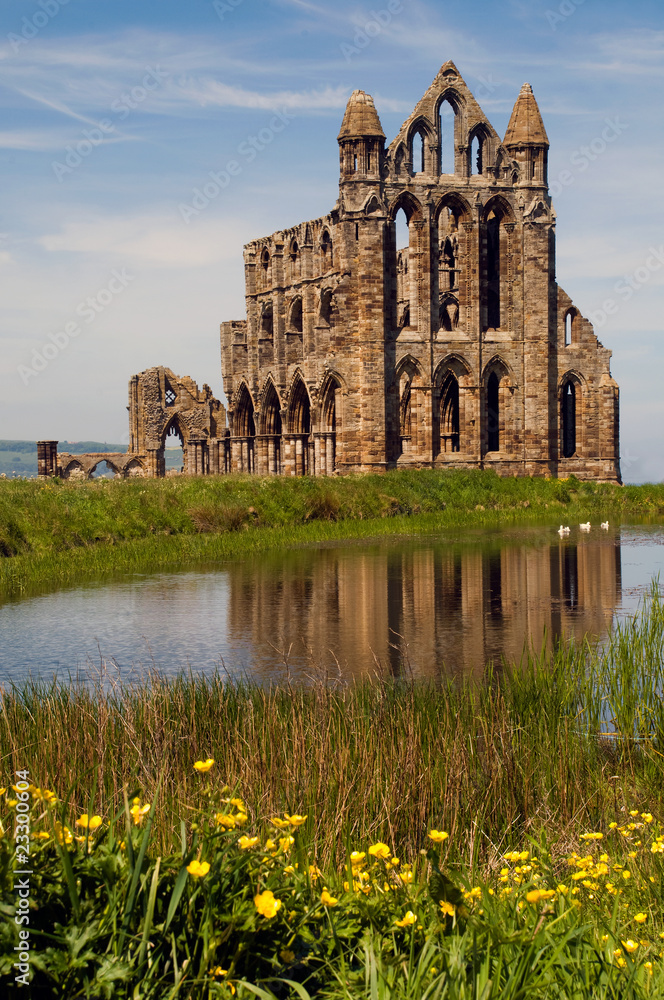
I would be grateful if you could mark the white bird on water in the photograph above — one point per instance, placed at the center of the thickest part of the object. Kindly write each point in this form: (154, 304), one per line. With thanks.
(586, 526)
(563, 531)
(604, 525)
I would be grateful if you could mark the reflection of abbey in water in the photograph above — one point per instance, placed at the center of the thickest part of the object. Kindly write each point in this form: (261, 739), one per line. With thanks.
(453, 606)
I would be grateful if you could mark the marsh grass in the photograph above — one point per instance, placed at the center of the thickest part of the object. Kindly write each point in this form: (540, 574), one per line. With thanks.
(548, 744)
(53, 533)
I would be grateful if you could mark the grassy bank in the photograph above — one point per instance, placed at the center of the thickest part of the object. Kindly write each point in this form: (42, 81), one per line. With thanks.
(561, 757)
(53, 534)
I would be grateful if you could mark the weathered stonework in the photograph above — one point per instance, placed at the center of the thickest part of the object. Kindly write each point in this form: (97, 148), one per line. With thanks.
(160, 404)
(458, 350)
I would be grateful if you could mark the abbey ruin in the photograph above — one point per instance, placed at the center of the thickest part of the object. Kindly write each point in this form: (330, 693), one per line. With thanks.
(457, 349)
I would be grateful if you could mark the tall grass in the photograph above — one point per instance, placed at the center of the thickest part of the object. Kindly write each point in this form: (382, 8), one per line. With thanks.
(548, 744)
(54, 533)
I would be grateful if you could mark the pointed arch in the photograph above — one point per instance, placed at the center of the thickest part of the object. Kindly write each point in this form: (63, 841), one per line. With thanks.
(329, 422)
(498, 221)
(479, 150)
(270, 429)
(496, 430)
(404, 262)
(294, 260)
(299, 425)
(452, 380)
(265, 269)
(570, 407)
(295, 318)
(421, 134)
(244, 431)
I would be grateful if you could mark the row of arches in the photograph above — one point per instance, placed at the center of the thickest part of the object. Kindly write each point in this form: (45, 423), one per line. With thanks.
(465, 418)
(295, 437)
(446, 145)
(292, 261)
(450, 263)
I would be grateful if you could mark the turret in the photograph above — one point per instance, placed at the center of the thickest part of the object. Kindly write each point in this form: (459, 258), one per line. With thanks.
(526, 139)
(361, 140)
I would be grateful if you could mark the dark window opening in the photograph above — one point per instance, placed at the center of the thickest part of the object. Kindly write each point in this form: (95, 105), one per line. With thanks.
(493, 272)
(449, 415)
(296, 316)
(493, 413)
(569, 420)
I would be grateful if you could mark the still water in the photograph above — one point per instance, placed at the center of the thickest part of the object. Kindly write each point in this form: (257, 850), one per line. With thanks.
(426, 605)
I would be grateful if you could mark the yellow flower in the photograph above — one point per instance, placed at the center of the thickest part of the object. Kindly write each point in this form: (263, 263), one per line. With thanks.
(203, 765)
(647, 817)
(239, 804)
(447, 908)
(315, 872)
(613, 826)
(90, 822)
(357, 858)
(240, 819)
(138, 811)
(380, 850)
(634, 812)
(640, 917)
(266, 904)
(408, 919)
(285, 843)
(270, 845)
(657, 847)
(328, 900)
(406, 877)
(198, 868)
(287, 956)
(592, 836)
(244, 843)
(63, 834)
(630, 945)
(225, 819)
(289, 870)
(41, 835)
(295, 820)
(626, 875)
(535, 895)
(438, 836)
(280, 824)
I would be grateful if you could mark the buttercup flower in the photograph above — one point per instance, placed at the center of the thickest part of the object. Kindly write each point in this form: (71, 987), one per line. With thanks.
(535, 895)
(380, 850)
(327, 899)
(408, 919)
(295, 820)
(447, 908)
(640, 917)
(89, 822)
(266, 904)
(438, 836)
(630, 945)
(225, 819)
(198, 868)
(280, 824)
(244, 843)
(203, 765)
(138, 811)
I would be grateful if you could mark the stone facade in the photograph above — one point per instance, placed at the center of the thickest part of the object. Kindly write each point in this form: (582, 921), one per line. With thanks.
(457, 350)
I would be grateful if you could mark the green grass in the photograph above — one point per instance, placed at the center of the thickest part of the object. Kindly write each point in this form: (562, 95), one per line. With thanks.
(53, 534)
(533, 757)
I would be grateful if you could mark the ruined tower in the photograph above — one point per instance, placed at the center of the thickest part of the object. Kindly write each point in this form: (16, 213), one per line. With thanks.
(457, 349)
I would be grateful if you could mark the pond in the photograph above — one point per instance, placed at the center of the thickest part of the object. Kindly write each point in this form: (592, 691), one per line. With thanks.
(426, 605)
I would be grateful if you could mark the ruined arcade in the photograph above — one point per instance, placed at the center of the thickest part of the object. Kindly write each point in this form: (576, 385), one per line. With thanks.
(455, 349)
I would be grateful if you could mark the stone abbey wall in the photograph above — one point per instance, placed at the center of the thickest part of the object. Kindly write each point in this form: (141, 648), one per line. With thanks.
(457, 349)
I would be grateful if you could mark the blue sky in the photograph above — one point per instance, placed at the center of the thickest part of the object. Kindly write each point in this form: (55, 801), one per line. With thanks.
(112, 113)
